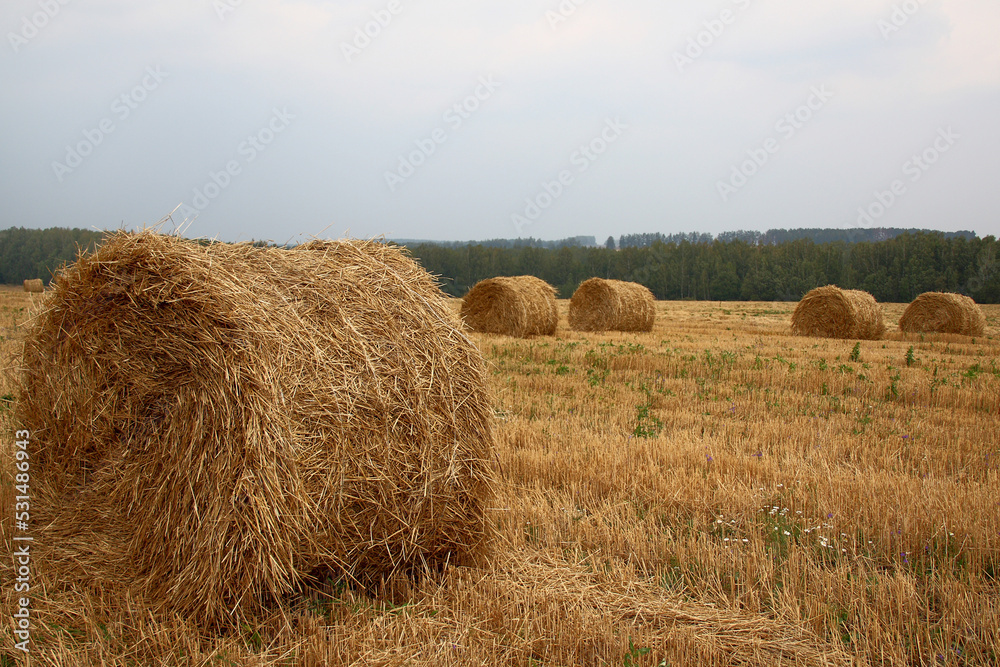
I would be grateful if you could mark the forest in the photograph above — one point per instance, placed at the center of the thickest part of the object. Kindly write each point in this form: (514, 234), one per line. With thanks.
(894, 270)
(725, 268)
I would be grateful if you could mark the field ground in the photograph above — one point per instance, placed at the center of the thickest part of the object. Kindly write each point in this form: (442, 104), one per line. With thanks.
(715, 492)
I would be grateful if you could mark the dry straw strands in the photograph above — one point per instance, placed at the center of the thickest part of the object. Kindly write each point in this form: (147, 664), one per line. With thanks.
(214, 423)
(517, 306)
(941, 312)
(612, 305)
(831, 312)
(537, 608)
(35, 285)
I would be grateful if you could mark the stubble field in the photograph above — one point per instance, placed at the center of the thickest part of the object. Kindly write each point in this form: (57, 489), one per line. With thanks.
(714, 492)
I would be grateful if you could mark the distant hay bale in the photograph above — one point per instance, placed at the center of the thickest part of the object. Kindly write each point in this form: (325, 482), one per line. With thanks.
(831, 312)
(942, 312)
(35, 285)
(612, 305)
(214, 424)
(511, 305)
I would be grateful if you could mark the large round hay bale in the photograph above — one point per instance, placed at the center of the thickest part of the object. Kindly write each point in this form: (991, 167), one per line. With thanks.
(213, 424)
(942, 312)
(35, 285)
(511, 305)
(612, 305)
(831, 312)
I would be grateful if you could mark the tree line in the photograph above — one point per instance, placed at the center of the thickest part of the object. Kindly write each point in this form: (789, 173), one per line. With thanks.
(896, 269)
(506, 243)
(776, 236)
(26, 254)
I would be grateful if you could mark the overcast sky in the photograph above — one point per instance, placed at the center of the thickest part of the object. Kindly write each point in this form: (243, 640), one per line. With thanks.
(474, 120)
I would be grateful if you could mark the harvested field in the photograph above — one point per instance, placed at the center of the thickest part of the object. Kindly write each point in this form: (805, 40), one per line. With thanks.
(717, 491)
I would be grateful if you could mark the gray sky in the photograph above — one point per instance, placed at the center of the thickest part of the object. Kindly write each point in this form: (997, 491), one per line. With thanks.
(474, 120)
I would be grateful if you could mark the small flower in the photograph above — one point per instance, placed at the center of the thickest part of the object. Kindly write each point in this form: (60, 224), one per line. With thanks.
(830, 515)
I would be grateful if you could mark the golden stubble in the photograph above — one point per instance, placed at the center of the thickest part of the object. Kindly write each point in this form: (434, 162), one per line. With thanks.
(716, 491)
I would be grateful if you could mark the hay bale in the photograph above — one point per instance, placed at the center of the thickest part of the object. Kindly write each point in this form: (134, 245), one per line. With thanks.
(511, 305)
(831, 312)
(942, 312)
(35, 285)
(612, 305)
(213, 424)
